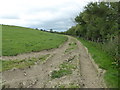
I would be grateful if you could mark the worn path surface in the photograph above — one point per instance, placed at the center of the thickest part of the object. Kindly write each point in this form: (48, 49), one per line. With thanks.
(39, 75)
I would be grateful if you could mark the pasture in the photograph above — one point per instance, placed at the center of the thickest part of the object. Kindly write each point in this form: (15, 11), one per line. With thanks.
(17, 40)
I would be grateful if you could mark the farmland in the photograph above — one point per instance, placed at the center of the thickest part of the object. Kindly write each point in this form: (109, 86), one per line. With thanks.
(17, 40)
(68, 66)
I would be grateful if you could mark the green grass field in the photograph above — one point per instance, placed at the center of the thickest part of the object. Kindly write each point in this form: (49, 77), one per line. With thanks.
(17, 40)
(104, 61)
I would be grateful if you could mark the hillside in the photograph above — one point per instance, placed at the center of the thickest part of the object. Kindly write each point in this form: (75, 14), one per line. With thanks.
(17, 40)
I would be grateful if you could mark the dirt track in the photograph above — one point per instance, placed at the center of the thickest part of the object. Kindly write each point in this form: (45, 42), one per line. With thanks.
(39, 75)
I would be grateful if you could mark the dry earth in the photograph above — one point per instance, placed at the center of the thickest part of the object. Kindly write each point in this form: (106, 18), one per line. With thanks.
(84, 75)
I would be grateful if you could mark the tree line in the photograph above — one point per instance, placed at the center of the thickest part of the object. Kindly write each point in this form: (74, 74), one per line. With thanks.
(99, 22)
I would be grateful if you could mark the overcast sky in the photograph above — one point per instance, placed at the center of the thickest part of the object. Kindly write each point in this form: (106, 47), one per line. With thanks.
(46, 14)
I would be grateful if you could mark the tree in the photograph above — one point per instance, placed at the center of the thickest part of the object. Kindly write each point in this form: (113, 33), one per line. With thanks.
(51, 30)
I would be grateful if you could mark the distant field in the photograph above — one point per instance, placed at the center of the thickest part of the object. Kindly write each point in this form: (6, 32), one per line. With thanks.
(17, 40)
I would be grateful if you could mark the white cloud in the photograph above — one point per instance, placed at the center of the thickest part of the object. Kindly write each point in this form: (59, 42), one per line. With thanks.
(41, 13)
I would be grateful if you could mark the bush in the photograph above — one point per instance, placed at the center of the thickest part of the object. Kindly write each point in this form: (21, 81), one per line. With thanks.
(111, 47)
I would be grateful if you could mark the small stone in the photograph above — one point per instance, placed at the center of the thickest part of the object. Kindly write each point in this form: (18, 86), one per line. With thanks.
(83, 84)
(35, 63)
(25, 74)
(29, 67)
(24, 83)
(13, 69)
(20, 85)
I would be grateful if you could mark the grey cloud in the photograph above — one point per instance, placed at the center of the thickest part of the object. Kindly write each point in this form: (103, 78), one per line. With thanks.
(56, 15)
(57, 25)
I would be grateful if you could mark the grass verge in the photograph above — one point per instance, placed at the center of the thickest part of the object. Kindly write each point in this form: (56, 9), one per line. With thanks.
(104, 61)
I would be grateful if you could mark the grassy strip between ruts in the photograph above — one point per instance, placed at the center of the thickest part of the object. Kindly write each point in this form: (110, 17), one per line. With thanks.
(10, 64)
(65, 69)
(104, 61)
(72, 46)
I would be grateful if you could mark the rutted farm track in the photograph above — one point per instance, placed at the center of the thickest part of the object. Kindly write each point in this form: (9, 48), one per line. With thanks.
(70, 60)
